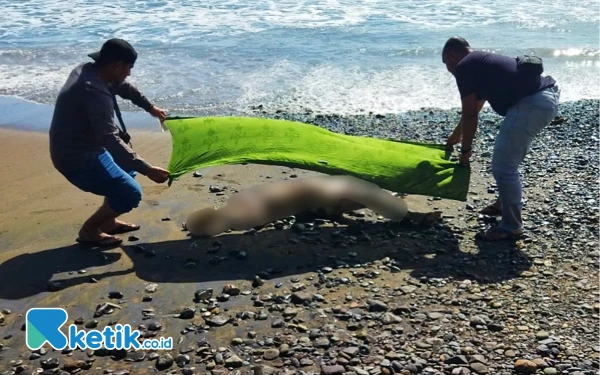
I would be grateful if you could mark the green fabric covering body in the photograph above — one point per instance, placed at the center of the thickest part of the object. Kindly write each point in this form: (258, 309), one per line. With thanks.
(403, 167)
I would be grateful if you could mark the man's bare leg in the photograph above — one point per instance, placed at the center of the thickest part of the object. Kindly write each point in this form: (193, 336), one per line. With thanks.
(91, 229)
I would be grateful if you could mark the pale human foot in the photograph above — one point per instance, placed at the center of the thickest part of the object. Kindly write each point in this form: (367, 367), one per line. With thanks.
(98, 238)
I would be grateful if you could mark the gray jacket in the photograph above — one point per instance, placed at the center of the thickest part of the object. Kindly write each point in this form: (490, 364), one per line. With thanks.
(83, 124)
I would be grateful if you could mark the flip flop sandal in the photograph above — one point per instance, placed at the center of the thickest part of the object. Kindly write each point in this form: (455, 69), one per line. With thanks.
(110, 241)
(124, 228)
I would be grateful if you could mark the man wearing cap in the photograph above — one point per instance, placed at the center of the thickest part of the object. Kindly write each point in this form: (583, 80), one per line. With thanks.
(515, 89)
(87, 148)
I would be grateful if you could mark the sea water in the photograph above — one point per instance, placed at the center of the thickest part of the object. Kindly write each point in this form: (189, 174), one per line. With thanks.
(223, 57)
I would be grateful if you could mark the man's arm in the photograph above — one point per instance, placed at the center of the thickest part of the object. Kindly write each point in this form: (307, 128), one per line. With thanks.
(100, 110)
(480, 104)
(128, 91)
(469, 118)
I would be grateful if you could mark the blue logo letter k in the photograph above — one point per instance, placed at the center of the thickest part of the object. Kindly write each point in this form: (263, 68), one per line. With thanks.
(43, 325)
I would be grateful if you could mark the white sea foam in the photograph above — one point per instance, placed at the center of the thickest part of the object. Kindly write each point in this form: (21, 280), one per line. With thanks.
(173, 21)
(292, 87)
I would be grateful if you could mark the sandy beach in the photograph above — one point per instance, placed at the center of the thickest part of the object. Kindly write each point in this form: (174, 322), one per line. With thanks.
(429, 282)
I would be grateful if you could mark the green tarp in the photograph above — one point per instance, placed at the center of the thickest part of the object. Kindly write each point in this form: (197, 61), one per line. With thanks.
(403, 167)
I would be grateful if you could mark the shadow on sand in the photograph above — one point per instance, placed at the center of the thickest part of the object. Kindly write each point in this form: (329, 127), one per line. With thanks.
(432, 252)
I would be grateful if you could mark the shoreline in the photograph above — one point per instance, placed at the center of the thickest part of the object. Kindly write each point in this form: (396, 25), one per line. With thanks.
(25, 114)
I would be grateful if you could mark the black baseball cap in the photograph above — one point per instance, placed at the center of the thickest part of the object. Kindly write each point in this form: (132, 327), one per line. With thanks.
(115, 50)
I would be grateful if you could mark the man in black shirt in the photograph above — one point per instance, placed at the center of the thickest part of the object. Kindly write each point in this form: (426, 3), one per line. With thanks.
(87, 147)
(527, 100)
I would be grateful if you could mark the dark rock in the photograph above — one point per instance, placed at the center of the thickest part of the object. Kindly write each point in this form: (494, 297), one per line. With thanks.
(182, 359)
(257, 282)
(231, 290)
(377, 306)
(53, 286)
(457, 360)
(187, 313)
(115, 295)
(50, 363)
(164, 362)
(203, 294)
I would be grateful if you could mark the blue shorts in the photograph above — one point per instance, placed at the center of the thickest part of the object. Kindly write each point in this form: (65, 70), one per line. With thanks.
(105, 178)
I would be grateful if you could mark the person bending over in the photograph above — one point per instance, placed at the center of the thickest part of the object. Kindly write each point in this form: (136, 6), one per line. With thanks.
(266, 203)
(515, 89)
(87, 148)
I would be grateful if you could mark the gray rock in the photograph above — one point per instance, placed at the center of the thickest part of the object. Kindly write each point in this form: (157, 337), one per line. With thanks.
(332, 370)
(301, 298)
(217, 321)
(351, 351)
(389, 318)
(135, 356)
(306, 362)
(408, 289)
(265, 370)
(322, 342)
(542, 335)
(270, 354)
(479, 368)
(290, 312)
(360, 371)
(477, 320)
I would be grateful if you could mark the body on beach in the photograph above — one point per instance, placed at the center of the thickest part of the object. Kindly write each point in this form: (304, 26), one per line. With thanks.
(266, 203)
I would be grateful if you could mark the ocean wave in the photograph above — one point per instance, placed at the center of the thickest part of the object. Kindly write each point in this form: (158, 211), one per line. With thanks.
(291, 86)
(327, 56)
(177, 21)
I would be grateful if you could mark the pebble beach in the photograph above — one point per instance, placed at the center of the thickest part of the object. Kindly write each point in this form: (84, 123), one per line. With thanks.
(361, 297)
